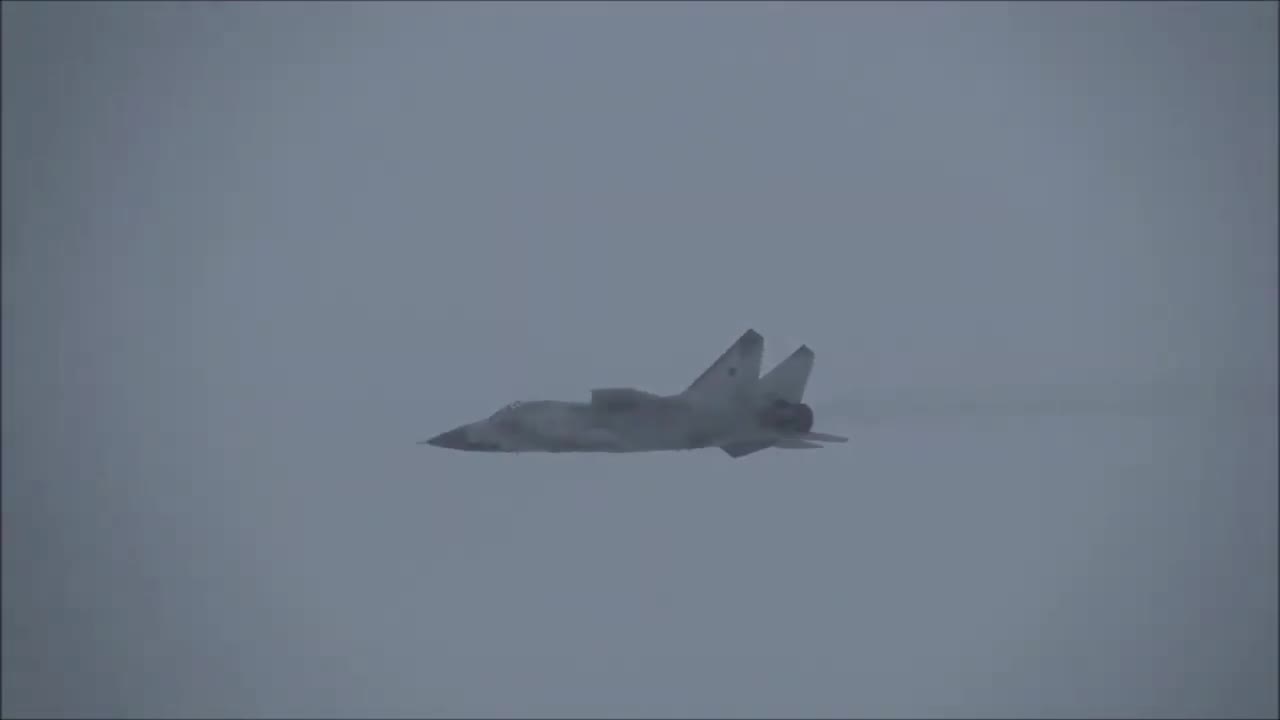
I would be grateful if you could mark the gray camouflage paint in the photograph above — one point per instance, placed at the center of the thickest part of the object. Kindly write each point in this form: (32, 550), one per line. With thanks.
(253, 252)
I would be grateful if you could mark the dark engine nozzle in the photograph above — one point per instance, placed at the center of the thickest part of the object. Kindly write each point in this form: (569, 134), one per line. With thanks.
(788, 416)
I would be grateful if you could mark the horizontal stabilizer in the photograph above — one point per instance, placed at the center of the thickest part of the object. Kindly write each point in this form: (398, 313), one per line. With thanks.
(821, 437)
(746, 447)
(793, 444)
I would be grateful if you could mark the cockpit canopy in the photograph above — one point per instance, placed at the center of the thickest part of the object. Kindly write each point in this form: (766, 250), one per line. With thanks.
(506, 409)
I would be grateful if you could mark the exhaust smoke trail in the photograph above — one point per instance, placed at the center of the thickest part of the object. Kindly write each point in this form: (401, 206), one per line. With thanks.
(1150, 399)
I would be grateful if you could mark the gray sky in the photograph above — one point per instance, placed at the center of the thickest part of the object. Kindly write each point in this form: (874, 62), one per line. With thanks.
(253, 252)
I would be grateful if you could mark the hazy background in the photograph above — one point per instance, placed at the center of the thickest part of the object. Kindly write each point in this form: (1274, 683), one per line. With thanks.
(253, 252)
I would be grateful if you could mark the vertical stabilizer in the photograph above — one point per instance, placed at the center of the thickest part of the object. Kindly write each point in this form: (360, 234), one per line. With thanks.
(733, 373)
(788, 378)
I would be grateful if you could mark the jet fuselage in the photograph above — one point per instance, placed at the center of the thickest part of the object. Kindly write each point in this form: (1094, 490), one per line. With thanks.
(729, 406)
(657, 423)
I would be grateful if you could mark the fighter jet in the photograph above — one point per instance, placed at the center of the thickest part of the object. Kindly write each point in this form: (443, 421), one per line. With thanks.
(730, 406)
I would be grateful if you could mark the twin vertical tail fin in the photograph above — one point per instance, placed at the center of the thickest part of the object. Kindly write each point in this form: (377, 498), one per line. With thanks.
(786, 381)
(788, 378)
(734, 373)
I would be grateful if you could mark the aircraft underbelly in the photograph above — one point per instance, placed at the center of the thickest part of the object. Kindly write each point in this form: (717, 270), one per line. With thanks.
(642, 431)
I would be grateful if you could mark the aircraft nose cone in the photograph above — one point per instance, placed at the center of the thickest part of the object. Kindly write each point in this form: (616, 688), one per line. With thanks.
(458, 439)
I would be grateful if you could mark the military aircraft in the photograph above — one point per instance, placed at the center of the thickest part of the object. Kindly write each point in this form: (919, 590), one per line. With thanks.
(730, 406)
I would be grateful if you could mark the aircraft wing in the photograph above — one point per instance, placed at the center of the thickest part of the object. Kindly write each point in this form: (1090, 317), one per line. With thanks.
(740, 449)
